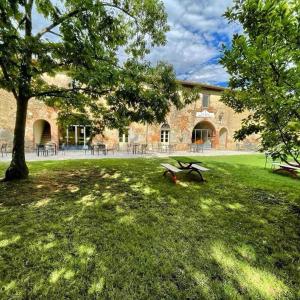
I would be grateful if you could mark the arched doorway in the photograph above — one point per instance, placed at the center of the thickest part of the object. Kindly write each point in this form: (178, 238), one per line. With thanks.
(204, 133)
(41, 132)
(223, 134)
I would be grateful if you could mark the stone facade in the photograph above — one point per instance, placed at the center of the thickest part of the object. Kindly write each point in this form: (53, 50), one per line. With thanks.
(213, 125)
(36, 111)
(217, 120)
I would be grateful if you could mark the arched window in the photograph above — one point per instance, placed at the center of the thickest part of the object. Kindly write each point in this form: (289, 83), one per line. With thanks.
(165, 134)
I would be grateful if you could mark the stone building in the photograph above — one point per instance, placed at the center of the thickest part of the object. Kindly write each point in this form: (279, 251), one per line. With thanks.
(207, 121)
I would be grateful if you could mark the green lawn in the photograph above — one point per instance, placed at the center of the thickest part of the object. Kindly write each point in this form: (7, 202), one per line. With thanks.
(117, 229)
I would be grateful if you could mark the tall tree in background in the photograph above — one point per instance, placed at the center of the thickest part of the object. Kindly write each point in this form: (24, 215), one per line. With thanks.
(84, 39)
(264, 68)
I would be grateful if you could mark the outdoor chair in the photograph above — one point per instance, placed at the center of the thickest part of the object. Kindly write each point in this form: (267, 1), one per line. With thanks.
(91, 148)
(196, 148)
(62, 148)
(129, 148)
(41, 150)
(112, 149)
(51, 148)
(292, 168)
(143, 148)
(164, 148)
(135, 148)
(172, 148)
(152, 148)
(3, 149)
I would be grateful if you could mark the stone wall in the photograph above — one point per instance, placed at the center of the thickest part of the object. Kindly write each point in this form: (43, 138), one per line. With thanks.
(36, 111)
(223, 120)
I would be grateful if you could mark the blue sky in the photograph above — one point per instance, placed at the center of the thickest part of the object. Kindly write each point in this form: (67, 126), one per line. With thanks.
(194, 41)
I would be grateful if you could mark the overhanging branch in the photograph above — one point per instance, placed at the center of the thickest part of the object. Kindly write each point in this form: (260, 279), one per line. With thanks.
(58, 22)
(61, 92)
(8, 79)
(74, 13)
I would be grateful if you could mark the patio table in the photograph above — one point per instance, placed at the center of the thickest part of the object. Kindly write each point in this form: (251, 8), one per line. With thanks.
(98, 148)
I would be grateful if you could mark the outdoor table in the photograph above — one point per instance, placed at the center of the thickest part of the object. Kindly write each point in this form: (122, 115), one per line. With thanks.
(135, 148)
(51, 148)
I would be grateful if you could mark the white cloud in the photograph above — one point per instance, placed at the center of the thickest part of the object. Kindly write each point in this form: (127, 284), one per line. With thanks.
(197, 32)
(184, 50)
(212, 73)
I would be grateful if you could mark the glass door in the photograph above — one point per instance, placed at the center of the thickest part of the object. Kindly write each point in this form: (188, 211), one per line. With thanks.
(203, 137)
(71, 136)
(77, 136)
(80, 135)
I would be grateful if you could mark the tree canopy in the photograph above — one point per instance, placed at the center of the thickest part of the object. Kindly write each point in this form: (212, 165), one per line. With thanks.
(264, 67)
(101, 46)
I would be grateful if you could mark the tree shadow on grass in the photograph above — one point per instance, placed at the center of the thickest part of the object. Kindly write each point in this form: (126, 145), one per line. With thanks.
(117, 228)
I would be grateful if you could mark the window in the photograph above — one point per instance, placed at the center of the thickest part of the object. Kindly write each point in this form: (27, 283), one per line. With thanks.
(165, 134)
(123, 136)
(205, 101)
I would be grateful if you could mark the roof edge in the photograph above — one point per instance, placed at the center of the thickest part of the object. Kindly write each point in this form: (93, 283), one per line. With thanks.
(202, 85)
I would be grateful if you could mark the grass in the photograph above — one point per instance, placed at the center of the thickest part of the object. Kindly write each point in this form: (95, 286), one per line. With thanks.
(115, 228)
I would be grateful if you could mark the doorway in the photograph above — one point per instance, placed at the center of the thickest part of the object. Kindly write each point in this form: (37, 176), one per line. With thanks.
(204, 133)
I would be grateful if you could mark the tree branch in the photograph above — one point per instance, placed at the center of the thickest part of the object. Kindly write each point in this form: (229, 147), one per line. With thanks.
(50, 31)
(60, 92)
(121, 9)
(8, 79)
(74, 13)
(58, 22)
(278, 76)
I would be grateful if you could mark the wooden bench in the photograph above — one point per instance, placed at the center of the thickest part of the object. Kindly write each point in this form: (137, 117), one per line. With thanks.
(293, 170)
(198, 169)
(172, 170)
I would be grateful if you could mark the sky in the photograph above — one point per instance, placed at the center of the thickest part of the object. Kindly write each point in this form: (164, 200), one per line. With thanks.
(198, 30)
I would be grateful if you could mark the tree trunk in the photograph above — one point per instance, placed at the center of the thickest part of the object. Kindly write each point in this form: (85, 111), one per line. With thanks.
(18, 168)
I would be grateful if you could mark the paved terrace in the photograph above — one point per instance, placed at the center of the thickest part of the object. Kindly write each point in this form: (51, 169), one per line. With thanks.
(81, 155)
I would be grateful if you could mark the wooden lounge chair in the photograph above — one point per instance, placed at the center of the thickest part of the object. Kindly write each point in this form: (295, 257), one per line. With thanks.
(292, 169)
(192, 168)
(198, 169)
(172, 170)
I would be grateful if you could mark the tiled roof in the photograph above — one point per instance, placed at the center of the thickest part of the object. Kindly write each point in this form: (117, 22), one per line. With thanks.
(202, 85)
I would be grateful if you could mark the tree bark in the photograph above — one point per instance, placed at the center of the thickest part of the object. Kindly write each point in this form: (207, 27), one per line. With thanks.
(18, 168)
